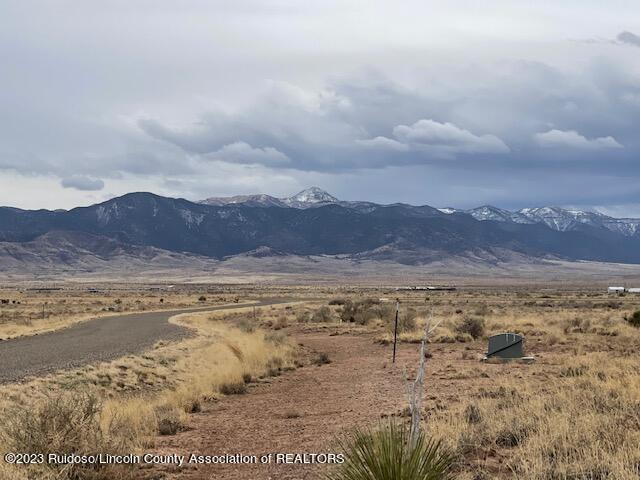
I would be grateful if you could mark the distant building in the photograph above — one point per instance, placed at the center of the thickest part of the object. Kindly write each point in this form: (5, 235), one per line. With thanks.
(615, 290)
(633, 290)
(426, 288)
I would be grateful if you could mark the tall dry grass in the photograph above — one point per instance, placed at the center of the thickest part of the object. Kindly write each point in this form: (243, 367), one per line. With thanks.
(583, 424)
(117, 420)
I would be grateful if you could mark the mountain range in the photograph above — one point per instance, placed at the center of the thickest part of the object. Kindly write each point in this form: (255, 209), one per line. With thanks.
(557, 218)
(148, 229)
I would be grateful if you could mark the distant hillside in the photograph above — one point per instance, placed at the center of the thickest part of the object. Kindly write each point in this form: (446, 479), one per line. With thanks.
(401, 233)
(71, 251)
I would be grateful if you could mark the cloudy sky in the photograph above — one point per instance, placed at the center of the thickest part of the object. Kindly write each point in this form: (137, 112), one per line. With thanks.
(457, 103)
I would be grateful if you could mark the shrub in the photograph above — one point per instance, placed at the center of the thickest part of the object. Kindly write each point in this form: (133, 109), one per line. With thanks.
(246, 325)
(473, 414)
(577, 325)
(364, 311)
(302, 316)
(202, 298)
(337, 301)
(281, 323)
(406, 321)
(322, 315)
(634, 320)
(233, 388)
(384, 454)
(168, 419)
(61, 424)
(322, 359)
(472, 325)
(276, 338)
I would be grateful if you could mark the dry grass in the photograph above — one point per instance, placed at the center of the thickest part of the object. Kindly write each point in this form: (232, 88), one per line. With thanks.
(28, 311)
(141, 396)
(221, 356)
(574, 414)
(585, 425)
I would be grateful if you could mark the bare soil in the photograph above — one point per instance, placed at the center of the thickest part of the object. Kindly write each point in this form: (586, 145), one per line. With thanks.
(304, 411)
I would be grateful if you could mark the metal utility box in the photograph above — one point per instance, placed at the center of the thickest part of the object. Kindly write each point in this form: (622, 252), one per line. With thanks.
(505, 345)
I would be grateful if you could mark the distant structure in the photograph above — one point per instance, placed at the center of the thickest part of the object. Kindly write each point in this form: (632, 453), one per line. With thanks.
(622, 290)
(413, 288)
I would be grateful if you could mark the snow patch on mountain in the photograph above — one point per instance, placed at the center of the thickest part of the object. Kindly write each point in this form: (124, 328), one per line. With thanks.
(557, 218)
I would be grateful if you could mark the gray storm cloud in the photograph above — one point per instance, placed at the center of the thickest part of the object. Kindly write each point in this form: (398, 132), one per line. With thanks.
(210, 98)
(80, 182)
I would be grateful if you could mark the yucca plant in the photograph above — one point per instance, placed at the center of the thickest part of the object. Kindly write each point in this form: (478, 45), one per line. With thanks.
(385, 454)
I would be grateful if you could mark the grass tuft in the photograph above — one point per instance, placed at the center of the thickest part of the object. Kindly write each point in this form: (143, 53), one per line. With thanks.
(384, 454)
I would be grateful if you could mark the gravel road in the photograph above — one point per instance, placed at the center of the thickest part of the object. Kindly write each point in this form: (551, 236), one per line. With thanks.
(92, 341)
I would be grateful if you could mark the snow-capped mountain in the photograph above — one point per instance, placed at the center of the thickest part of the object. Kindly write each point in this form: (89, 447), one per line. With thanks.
(563, 220)
(260, 200)
(311, 197)
(488, 212)
(359, 230)
(557, 218)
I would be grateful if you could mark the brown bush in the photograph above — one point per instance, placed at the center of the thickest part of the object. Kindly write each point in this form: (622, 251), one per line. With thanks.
(233, 388)
(168, 419)
(61, 424)
(322, 315)
(474, 326)
(364, 311)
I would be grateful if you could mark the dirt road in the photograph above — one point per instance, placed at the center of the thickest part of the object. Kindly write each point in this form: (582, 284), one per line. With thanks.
(92, 341)
(305, 410)
(299, 412)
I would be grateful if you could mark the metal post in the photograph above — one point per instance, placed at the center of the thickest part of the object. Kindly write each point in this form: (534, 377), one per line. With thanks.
(395, 330)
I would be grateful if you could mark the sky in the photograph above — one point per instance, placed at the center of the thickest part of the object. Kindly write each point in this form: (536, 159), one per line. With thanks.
(458, 103)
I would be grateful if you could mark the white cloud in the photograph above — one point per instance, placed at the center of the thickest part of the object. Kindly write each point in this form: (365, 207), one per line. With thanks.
(80, 182)
(439, 139)
(430, 133)
(384, 143)
(242, 152)
(572, 139)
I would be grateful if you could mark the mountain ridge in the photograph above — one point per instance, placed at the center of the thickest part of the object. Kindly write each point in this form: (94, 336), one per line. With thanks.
(557, 218)
(397, 232)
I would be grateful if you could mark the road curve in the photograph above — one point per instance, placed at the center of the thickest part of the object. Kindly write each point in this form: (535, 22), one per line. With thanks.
(93, 341)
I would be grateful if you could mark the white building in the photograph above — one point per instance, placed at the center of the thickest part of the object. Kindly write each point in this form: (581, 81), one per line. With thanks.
(633, 290)
(615, 290)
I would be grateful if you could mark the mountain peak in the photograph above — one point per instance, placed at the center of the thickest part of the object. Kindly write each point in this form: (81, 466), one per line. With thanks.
(313, 195)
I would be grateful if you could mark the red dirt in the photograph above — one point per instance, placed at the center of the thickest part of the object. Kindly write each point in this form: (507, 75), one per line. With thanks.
(304, 410)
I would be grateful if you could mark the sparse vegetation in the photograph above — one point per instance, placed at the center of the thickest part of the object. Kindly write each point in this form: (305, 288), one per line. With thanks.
(233, 388)
(473, 326)
(385, 454)
(584, 426)
(63, 423)
(86, 424)
(322, 315)
(365, 311)
(634, 319)
(498, 421)
(322, 359)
